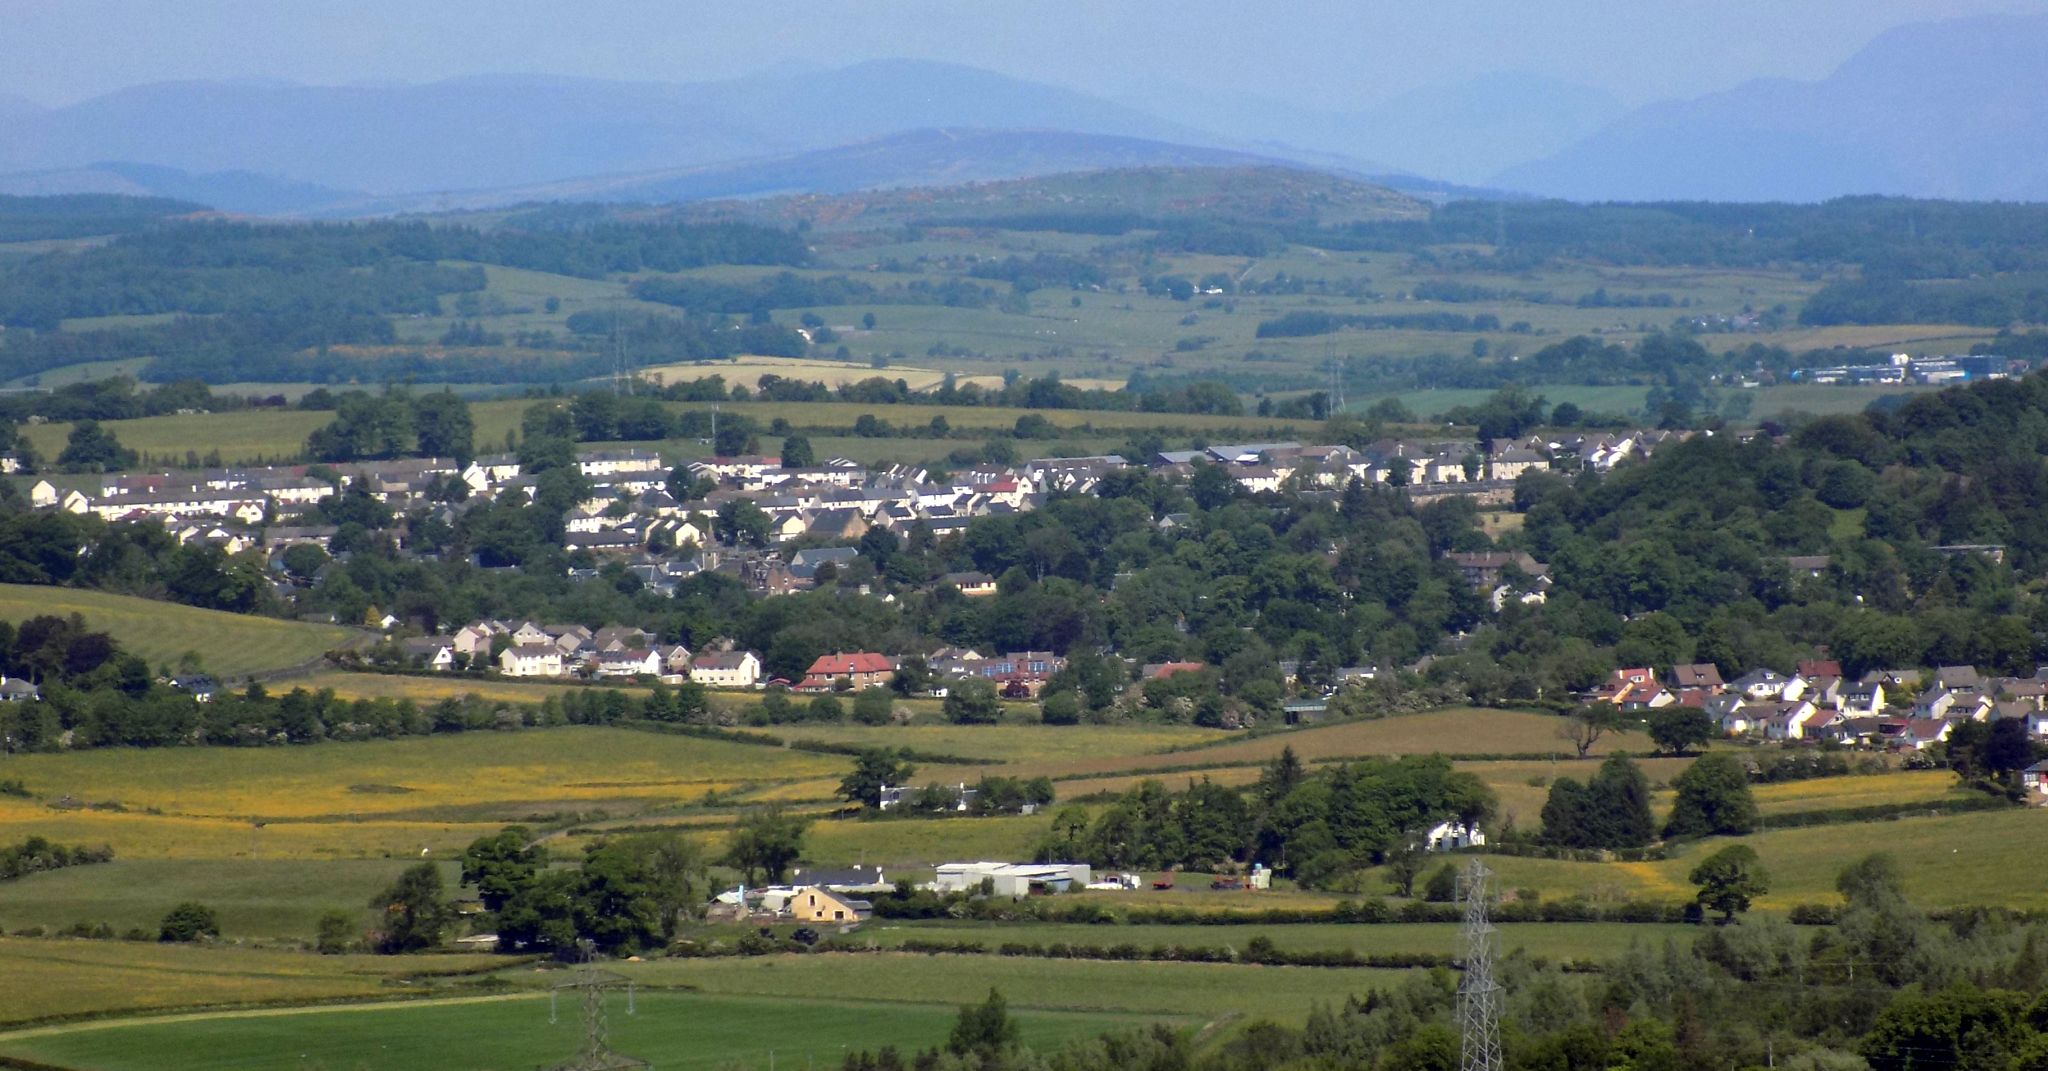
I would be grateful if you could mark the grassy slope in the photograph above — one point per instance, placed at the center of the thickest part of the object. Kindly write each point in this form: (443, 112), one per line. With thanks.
(230, 644)
(53, 978)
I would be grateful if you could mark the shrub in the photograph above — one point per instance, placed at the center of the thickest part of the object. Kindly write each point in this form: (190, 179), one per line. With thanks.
(188, 922)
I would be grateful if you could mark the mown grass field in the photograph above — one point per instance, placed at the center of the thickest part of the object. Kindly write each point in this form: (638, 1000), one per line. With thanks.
(1452, 731)
(46, 978)
(232, 645)
(671, 1030)
(1207, 991)
(247, 436)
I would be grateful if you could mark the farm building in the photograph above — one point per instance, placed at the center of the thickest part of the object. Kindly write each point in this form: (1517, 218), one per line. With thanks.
(1012, 879)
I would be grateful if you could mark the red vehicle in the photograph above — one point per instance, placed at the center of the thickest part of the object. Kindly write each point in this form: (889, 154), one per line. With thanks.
(1165, 882)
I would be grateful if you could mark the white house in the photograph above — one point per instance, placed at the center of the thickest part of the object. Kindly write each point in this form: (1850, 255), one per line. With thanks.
(631, 662)
(726, 669)
(531, 660)
(1451, 834)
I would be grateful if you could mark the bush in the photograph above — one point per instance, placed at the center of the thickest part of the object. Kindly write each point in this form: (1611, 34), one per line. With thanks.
(1442, 887)
(188, 922)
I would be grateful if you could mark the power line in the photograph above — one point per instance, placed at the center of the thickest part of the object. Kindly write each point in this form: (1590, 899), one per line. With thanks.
(1479, 996)
(590, 985)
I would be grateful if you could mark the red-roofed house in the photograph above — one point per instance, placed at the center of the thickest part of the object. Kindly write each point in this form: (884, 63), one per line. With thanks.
(1633, 689)
(863, 669)
(1157, 670)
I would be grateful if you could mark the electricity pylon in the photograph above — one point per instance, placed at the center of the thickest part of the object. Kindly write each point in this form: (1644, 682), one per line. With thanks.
(1479, 996)
(590, 985)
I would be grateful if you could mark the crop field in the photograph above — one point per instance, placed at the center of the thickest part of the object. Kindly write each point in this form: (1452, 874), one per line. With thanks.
(354, 800)
(231, 645)
(1009, 743)
(78, 978)
(672, 1030)
(924, 842)
(748, 371)
(1866, 790)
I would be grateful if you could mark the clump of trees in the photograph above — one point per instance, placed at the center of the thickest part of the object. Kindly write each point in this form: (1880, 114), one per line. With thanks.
(1320, 826)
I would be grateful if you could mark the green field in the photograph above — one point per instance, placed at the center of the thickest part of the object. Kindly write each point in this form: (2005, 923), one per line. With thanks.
(230, 645)
(1950, 861)
(672, 1030)
(1204, 990)
(1557, 941)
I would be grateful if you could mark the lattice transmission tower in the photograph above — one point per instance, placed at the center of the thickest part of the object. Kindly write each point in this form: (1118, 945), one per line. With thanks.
(1479, 995)
(590, 986)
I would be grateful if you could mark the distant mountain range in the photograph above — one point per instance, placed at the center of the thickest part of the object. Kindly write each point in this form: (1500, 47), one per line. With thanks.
(1949, 109)
(1945, 109)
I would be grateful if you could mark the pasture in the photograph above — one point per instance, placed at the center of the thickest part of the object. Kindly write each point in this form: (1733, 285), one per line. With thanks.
(229, 645)
(1598, 941)
(672, 1030)
(1966, 860)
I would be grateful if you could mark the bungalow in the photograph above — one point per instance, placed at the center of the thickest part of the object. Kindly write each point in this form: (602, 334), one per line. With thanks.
(531, 660)
(862, 669)
(971, 584)
(1153, 671)
(815, 903)
(16, 690)
(726, 669)
(1919, 734)
(1768, 684)
(434, 652)
(2035, 779)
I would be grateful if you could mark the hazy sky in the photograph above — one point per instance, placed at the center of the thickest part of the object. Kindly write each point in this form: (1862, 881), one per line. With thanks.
(1340, 53)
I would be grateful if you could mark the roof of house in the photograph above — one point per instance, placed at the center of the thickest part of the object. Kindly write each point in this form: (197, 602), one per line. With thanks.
(1696, 675)
(721, 659)
(832, 665)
